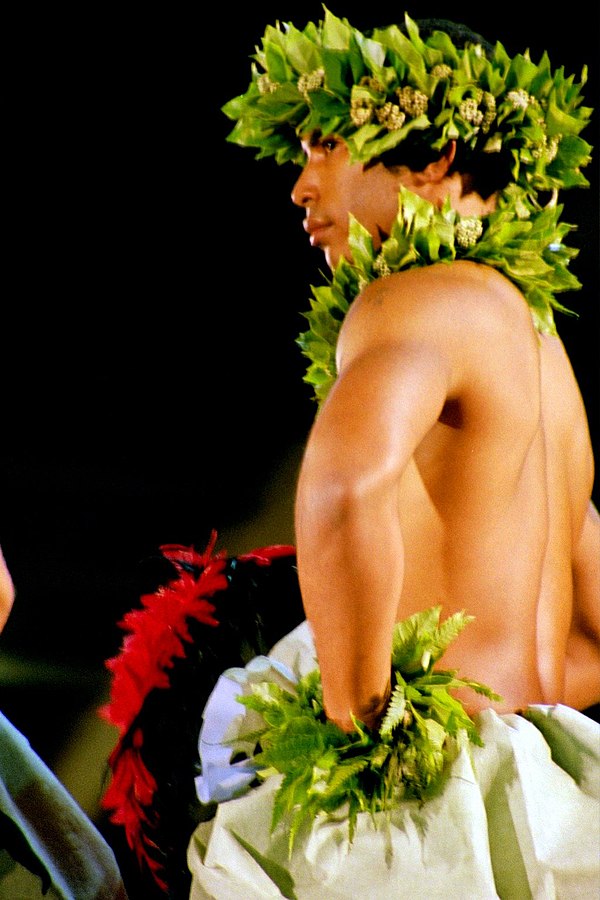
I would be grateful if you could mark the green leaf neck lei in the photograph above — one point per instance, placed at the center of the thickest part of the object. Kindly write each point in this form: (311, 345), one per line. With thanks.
(523, 243)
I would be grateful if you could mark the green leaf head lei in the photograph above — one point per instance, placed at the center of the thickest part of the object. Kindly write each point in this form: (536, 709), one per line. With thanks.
(377, 89)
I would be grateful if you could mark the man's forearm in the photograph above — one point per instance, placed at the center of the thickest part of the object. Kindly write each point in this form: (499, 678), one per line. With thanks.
(350, 567)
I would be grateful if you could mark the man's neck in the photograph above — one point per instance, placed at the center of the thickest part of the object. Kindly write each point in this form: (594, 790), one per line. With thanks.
(465, 201)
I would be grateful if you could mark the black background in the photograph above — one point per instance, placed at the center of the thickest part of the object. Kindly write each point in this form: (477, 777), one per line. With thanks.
(154, 279)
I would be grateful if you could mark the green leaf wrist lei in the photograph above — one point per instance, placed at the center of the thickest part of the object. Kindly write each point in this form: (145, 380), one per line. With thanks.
(374, 90)
(325, 769)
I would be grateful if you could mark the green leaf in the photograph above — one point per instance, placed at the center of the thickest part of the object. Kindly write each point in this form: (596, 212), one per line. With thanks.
(324, 768)
(292, 792)
(294, 744)
(278, 875)
(447, 632)
(341, 775)
(396, 708)
(411, 637)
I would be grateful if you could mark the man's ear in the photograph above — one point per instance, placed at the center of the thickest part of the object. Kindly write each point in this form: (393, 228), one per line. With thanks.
(437, 170)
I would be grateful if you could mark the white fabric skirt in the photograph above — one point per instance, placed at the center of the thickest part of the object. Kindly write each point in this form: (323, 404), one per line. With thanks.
(517, 818)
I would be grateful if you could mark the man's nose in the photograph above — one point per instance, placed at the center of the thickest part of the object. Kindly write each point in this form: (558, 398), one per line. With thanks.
(305, 189)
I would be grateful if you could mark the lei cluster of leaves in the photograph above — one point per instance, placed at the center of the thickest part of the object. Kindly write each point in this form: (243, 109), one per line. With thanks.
(524, 243)
(325, 768)
(377, 64)
(311, 80)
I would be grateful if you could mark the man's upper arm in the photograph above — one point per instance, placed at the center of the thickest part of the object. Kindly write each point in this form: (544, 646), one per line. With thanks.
(389, 392)
(394, 378)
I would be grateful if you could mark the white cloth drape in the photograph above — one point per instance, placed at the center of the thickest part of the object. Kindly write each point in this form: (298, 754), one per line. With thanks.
(517, 818)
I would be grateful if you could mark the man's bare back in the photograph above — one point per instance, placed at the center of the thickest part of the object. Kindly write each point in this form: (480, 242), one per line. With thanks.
(493, 499)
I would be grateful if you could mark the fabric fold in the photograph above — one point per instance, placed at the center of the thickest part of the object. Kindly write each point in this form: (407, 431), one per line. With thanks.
(60, 844)
(517, 818)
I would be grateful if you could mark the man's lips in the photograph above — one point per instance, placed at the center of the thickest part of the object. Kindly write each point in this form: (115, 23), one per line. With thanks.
(316, 228)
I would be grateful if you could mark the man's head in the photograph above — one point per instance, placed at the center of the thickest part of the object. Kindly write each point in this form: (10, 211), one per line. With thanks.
(331, 188)
(402, 93)
(479, 145)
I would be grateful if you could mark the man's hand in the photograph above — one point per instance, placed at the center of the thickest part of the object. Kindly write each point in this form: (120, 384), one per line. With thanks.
(7, 592)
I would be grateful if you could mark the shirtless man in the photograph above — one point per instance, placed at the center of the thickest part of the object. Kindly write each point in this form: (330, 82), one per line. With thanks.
(450, 463)
(449, 466)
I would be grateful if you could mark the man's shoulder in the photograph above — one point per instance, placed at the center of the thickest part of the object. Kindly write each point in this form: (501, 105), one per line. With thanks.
(457, 295)
(462, 280)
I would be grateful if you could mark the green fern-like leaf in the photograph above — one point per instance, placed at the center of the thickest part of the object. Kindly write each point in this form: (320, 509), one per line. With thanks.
(278, 874)
(292, 792)
(341, 775)
(411, 637)
(324, 768)
(396, 708)
(447, 632)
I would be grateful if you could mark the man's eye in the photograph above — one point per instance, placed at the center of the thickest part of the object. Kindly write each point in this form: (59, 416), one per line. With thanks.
(329, 143)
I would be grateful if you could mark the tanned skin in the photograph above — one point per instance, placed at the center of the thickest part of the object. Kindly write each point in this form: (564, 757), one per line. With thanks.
(7, 592)
(451, 464)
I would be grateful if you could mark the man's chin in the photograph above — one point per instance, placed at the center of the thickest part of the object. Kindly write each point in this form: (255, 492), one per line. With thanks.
(333, 256)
